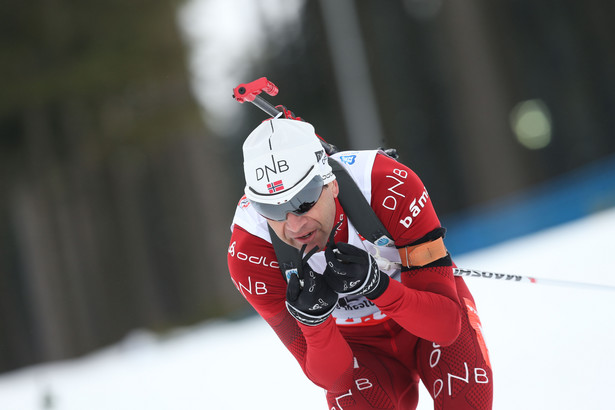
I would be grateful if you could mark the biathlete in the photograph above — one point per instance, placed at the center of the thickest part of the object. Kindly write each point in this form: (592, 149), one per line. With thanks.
(365, 321)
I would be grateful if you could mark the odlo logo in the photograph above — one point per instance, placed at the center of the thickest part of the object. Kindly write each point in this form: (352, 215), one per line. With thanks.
(276, 167)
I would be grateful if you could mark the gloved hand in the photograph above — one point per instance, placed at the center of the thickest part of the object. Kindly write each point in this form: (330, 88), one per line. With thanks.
(353, 271)
(308, 297)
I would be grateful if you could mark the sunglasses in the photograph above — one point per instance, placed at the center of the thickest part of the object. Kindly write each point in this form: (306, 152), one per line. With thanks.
(299, 204)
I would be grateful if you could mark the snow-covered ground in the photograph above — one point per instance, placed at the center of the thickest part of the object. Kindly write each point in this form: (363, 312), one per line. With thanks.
(551, 347)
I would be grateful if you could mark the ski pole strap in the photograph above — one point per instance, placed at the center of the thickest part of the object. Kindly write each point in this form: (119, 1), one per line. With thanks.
(422, 254)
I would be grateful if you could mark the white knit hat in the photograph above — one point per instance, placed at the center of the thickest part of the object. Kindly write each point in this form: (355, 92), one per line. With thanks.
(281, 157)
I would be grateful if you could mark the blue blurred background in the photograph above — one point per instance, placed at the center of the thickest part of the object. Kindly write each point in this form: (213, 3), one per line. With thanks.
(120, 144)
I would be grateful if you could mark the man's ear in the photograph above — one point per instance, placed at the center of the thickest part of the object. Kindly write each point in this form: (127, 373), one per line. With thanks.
(335, 188)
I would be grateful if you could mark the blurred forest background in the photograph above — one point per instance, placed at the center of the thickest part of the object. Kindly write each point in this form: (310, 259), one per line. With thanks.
(117, 186)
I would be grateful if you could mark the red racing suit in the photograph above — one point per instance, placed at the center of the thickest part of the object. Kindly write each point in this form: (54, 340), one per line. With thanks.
(372, 354)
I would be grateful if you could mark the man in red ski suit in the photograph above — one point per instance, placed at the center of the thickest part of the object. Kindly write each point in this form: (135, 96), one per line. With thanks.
(365, 322)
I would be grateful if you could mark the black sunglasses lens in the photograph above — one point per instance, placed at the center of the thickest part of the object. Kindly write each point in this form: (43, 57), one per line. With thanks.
(304, 207)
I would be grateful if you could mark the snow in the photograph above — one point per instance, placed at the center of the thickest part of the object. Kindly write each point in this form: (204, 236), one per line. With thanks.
(551, 347)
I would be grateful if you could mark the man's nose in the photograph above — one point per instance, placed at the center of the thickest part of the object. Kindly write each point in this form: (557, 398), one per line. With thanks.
(294, 223)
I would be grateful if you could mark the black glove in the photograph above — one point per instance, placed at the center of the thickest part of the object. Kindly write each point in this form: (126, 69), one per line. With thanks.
(353, 271)
(308, 297)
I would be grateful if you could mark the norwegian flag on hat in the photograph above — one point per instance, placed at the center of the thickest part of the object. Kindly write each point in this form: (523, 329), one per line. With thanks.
(275, 186)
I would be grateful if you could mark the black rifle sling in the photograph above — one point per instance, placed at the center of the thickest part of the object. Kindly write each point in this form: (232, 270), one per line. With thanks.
(356, 207)
(286, 254)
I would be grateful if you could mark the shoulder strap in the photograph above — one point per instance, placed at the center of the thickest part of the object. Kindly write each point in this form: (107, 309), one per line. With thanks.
(285, 254)
(358, 209)
(371, 228)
